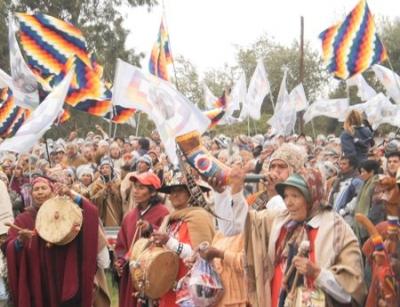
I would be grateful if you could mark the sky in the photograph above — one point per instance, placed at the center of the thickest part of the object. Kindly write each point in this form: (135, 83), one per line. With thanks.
(206, 31)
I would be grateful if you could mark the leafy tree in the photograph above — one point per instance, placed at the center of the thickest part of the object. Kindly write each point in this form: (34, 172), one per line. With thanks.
(188, 80)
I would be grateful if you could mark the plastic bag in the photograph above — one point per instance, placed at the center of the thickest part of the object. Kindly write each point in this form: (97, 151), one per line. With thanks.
(201, 287)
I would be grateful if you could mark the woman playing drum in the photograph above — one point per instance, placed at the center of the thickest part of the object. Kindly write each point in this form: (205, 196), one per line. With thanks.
(148, 215)
(44, 275)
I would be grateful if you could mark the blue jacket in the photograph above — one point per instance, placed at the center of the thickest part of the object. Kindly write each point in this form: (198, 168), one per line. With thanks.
(358, 144)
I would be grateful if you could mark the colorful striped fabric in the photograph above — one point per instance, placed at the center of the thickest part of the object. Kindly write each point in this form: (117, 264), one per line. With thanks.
(120, 115)
(11, 115)
(215, 115)
(353, 45)
(53, 47)
(221, 101)
(49, 42)
(161, 56)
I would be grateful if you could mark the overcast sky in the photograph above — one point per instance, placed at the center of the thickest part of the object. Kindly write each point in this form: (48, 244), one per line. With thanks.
(206, 31)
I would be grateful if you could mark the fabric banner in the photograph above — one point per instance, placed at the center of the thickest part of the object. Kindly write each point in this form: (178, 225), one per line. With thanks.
(172, 112)
(390, 80)
(283, 94)
(24, 85)
(364, 91)
(209, 98)
(40, 121)
(334, 108)
(298, 98)
(352, 46)
(259, 87)
(379, 110)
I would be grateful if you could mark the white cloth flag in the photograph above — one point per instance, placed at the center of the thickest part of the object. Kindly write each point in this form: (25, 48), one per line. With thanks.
(334, 108)
(284, 120)
(364, 91)
(40, 121)
(283, 94)
(390, 80)
(298, 98)
(209, 98)
(238, 94)
(24, 85)
(380, 110)
(258, 88)
(172, 112)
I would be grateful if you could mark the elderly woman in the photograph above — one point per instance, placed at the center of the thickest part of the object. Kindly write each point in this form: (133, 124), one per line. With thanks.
(105, 193)
(332, 269)
(148, 214)
(51, 276)
(183, 230)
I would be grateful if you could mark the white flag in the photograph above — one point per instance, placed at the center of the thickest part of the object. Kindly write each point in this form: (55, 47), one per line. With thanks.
(364, 91)
(334, 108)
(284, 120)
(258, 88)
(209, 98)
(40, 121)
(283, 94)
(24, 85)
(238, 94)
(298, 98)
(390, 80)
(379, 110)
(172, 112)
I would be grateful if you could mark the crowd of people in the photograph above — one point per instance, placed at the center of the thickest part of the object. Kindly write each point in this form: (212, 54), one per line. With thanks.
(319, 228)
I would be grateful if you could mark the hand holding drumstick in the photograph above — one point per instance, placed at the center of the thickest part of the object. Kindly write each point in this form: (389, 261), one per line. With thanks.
(23, 234)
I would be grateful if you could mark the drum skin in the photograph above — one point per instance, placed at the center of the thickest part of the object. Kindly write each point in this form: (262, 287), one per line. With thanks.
(153, 269)
(59, 220)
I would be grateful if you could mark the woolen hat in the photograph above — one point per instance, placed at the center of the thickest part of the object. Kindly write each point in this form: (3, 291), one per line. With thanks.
(296, 181)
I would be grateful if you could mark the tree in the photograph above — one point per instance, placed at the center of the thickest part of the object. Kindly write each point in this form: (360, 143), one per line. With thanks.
(188, 80)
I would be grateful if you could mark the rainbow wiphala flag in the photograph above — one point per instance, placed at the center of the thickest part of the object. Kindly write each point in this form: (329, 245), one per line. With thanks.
(353, 45)
(52, 46)
(11, 115)
(49, 42)
(161, 56)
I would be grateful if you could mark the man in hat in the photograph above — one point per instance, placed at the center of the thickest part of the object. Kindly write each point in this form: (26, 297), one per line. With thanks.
(288, 158)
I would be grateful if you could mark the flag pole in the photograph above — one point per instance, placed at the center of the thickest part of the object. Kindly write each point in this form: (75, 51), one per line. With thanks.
(301, 69)
(138, 123)
(169, 43)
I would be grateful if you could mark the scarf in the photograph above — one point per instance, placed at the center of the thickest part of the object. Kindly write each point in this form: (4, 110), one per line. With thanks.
(199, 222)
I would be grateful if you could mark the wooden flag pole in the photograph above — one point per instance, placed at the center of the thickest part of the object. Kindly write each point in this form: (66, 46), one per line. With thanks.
(301, 69)
(169, 44)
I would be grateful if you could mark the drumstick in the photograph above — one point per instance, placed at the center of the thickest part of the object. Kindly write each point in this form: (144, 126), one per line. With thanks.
(17, 227)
